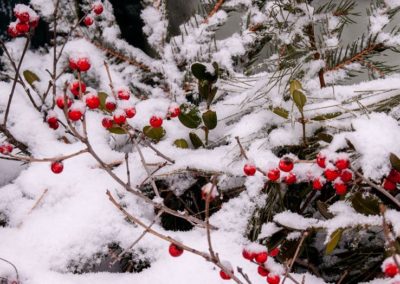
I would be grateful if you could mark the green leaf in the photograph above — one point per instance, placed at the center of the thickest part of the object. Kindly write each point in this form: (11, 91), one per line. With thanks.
(117, 130)
(190, 117)
(102, 96)
(368, 205)
(30, 77)
(211, 96)
(295, 85)
(200, 72)
(181, 143)
(326, 116)
(196, 141)
(299, 99)
(204, 89)
(325, 137)
(281, 112)
(210, 119)
(334, 240)
(323, 210)
(395, 161)
(154, 133)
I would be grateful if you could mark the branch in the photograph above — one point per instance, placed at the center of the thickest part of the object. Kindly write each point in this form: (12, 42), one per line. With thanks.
(14, 141)
(214, 10)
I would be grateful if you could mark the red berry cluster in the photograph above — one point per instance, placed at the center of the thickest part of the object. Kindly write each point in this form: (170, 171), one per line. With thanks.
(336, 171)
(391, 181)
(124, 110)
(390, 269)
(82, 64)
(97, 9)
(286, 164)
(27, 20)
(260, 257)
(6, 148)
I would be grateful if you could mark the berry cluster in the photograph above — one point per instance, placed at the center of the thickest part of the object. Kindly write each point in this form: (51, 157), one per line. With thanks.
(97, 9)
(391, 181)
(259, 256)
(6, 148)
(27, 20)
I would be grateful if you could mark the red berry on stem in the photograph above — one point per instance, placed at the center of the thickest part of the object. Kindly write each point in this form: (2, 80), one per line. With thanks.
(248, 255)
(249, 169)
(88, 21)
(340, 188)
(57, 167)
(124, 94)
(318, 184)
(274, 174)
(342, 164)
(107, 122)
(34, 22)
(174, 250)
(346, 175)
(174, 111)
(274, 252)
(130, 112)
(224, 275)
(22, 28)
(391, 270)
(83, 64)
(262, 271)
(92, 101)
(60, 102)
(22, 16)
(388, 185)
(286, 164)
(290, 179)
(321, 160)
(261, 257)
(97, 8)
(394, 176)
(12, 30)
(331, 174)
(75, 86)
(110, 105)
(119, 117)
(156, 121)
(72, 63)
(74, 115)
(273, 279)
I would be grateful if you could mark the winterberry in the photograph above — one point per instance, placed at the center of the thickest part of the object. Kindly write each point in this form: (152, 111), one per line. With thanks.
(274, 252)
(22, 28)
(249, 169)
(290, 179)
(110, 104)
(273, 175)
(174, 111)
(262, 271)
(321, 160)
(331, 174)
(273, 279)
(119, 117)
(248, 255)
(83, 64)
(224, 275)
(175, 250)
(57, 167)
(391, 270)
(286, 164)
(346, 175)
(389, 185)
(88, 21)
(261, 257)
(22, 16)
(97, 8)
(92, 101)
(124, 94)
(342, 164)
(156, 121)
(12, 30)
(340, 188)
(394, 176)
(130, 112)
(107, 122)
(60, 102)
(75, 86)
(318, 184)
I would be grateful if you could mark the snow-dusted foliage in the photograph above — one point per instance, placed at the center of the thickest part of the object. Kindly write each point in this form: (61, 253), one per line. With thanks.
(268, 155)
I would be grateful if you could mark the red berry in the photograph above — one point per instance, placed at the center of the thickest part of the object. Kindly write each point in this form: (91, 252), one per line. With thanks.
(321, 159)
(262, 271)
(340, 188)
(60, 102)
(51, 119)
(331, 174)
(120, 118)
(34, 22)
(156, 121)
(130, 112)
(174, 111)
(124, 94)
(342, 164)
(286, 164)
(391, 270)
(22, 28)
(261, 257)
(224, 275)
(111, 106)
(83, 65)
(290, 179)
(274, 174)
(346, 175)
(88, 21)
(174, 250)
(12, 30)
(273, 279)
(22, 16)
(274, 252)
(6, 149)
(57, 167)
(74, 115)
(107, 122)
(54, 125)
(394, 176)
(72, 64)
(74, 87)
(97, 8)
(318, 184)
(388, 185)
(248, 255)
(3, 150)
(92, 101)
(249, 169)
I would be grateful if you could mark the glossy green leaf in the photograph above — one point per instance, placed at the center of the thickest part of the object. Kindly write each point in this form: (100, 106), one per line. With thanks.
(30, 77)
(200, 71)
(204, 89)
(102, 96)
(211, 96)
(299, 99)
(368, 205)
(334, 240)
(281, 112)
(326, 116)
(181, 143)
(210, 119)
(196, 141)
(190, 116)
(117, 130)
(154, 133)
(395, 161)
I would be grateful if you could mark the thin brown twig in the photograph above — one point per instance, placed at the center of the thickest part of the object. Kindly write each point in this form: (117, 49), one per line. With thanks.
(214, 10)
